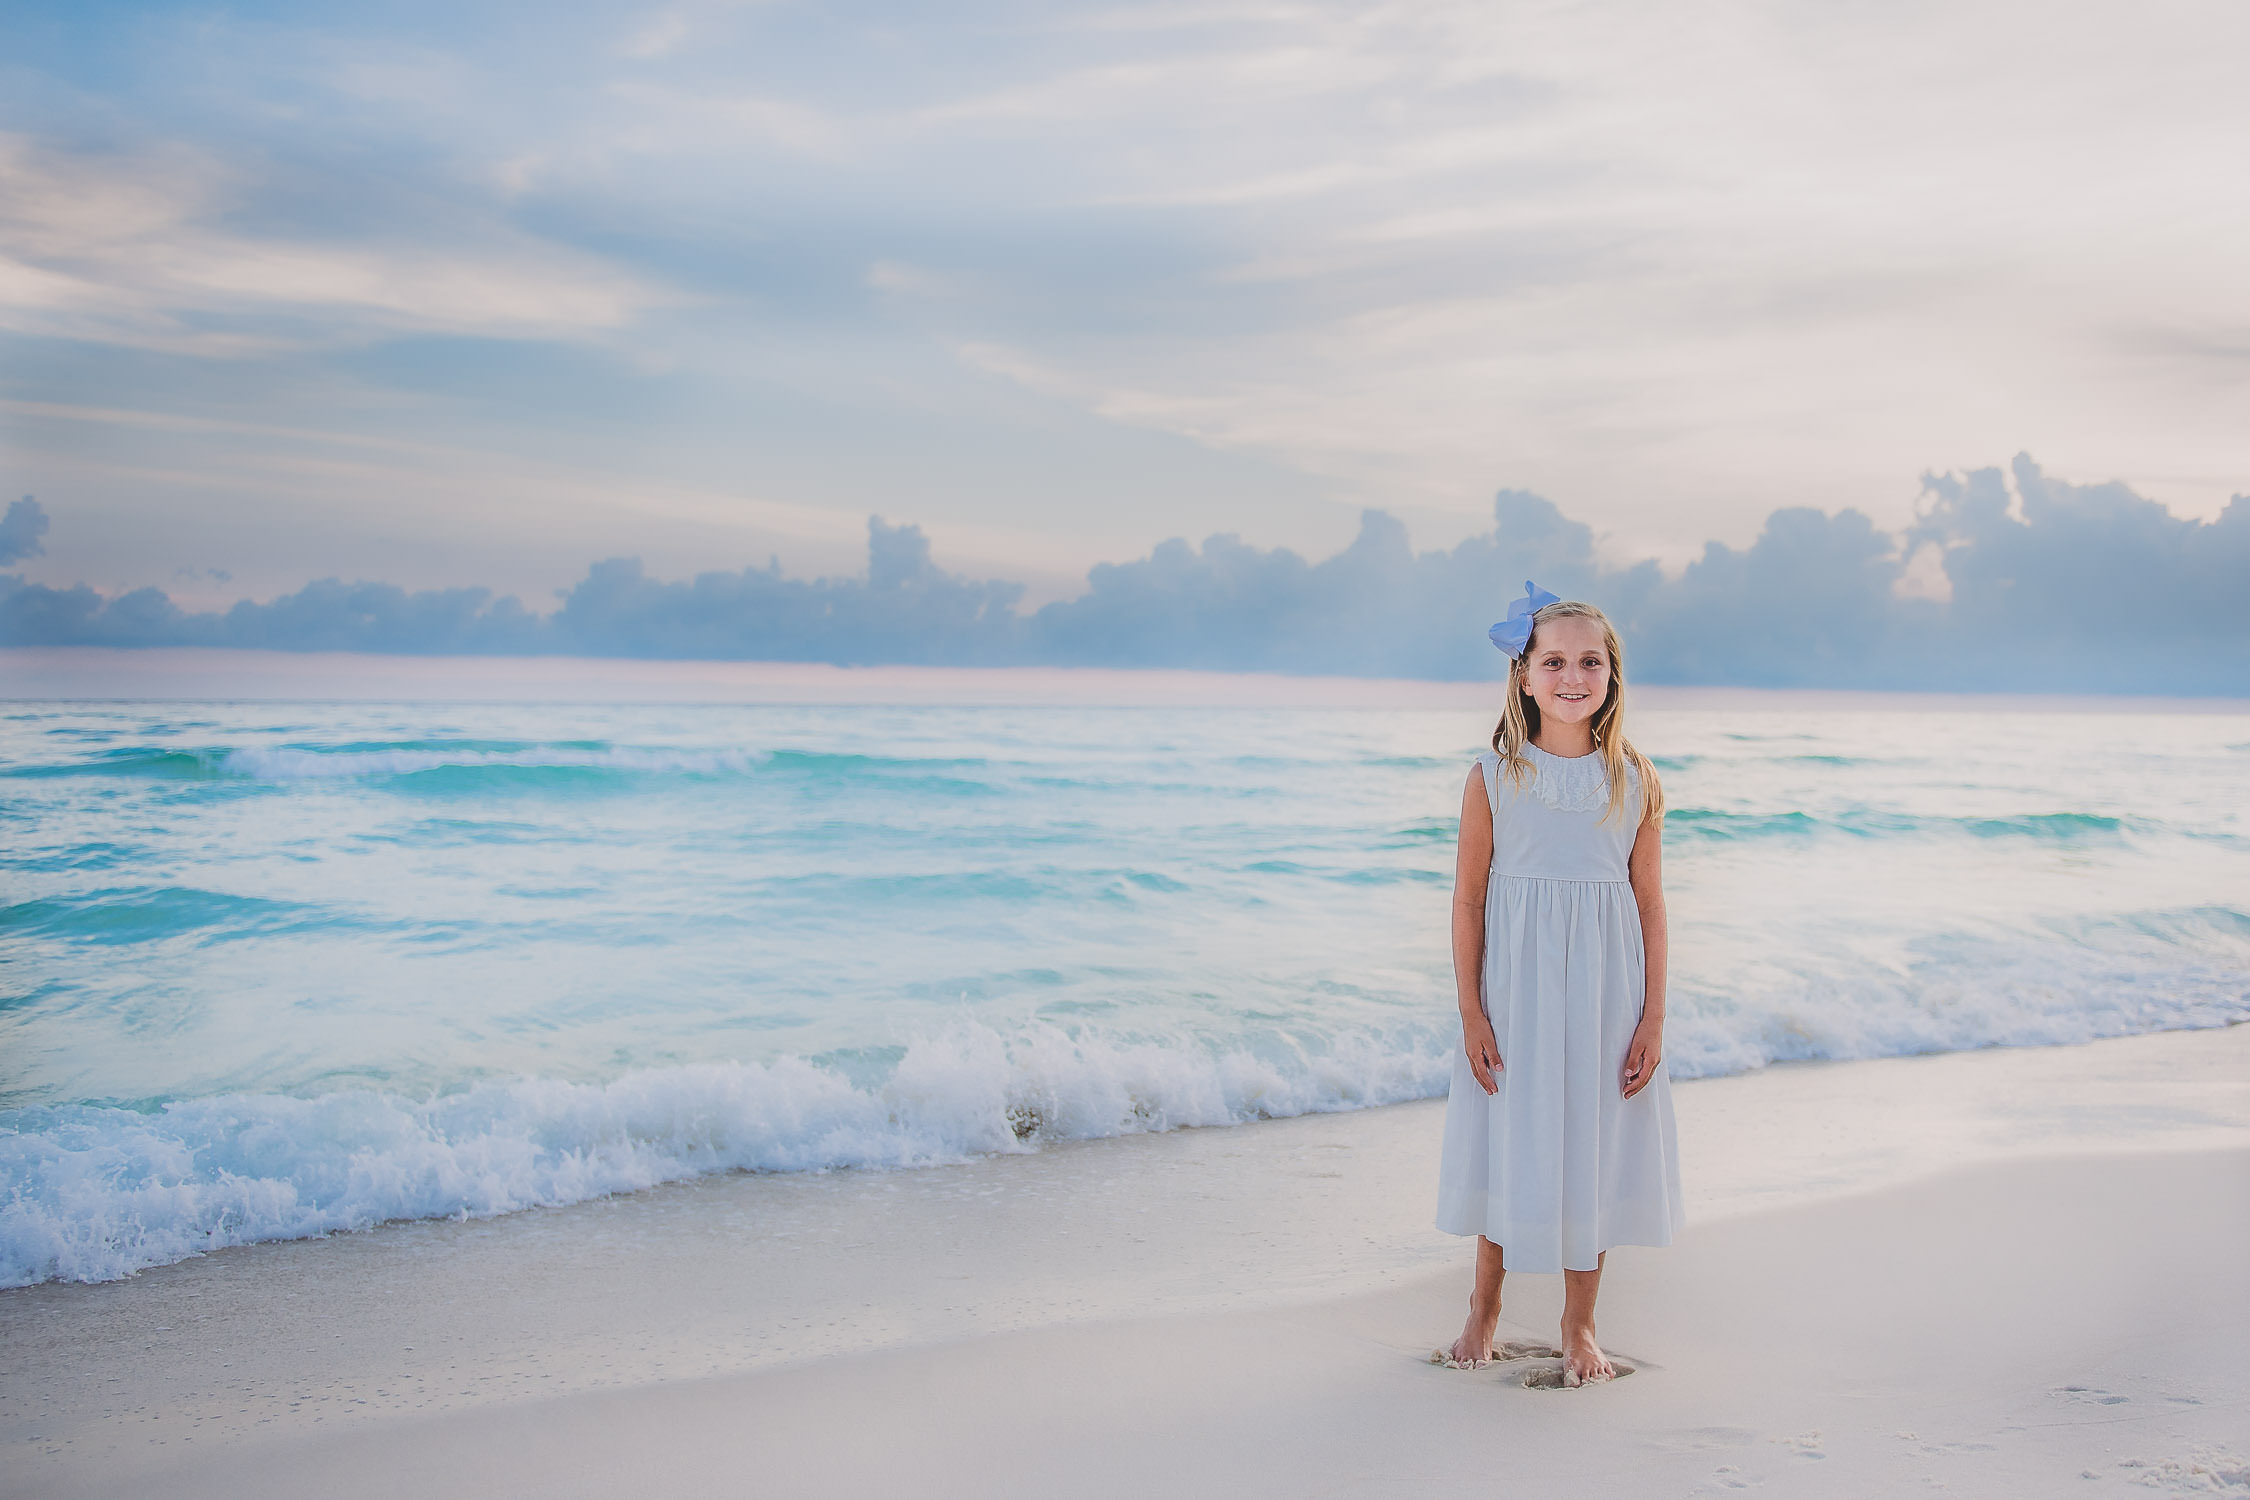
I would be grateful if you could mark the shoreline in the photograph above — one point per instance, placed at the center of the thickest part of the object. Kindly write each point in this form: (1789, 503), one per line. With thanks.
(1787, 1085)
(261, 1349)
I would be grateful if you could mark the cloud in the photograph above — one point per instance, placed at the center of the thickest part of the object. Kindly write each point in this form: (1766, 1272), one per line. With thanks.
(2093, 580)
(20, 530)
(905, 610)
(1675, 263)
(2054, 587)
(327, 615)
(139, 250)
(667, 120)
(657, 38)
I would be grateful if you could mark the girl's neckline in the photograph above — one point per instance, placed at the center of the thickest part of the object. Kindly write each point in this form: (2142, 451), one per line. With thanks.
(1589, 755)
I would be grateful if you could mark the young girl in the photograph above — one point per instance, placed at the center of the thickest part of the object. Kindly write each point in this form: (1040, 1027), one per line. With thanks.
(1558, 1130)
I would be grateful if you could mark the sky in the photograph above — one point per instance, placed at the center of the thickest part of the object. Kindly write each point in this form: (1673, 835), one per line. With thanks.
(473, 296)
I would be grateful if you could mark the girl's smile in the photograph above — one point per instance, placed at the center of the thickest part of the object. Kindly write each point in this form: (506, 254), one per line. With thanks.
(1568, 673)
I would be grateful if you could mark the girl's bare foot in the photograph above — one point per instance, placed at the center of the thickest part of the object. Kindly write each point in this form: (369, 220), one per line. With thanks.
(1583, 1359)
(1473, 1349)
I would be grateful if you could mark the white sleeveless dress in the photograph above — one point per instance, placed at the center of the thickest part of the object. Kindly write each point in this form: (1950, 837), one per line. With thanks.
(1558, 1165)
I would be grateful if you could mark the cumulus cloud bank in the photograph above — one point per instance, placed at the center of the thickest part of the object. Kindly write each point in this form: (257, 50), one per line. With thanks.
(2004, 581)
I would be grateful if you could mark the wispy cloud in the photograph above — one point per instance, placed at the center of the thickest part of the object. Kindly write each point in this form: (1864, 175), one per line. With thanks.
(666, 119)
(136, 250)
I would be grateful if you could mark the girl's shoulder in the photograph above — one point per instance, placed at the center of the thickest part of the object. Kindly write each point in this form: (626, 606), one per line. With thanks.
(1483, 779)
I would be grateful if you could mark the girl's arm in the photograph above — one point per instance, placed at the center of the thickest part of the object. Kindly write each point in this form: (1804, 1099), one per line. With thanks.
(1472, 877)
(1645, 866)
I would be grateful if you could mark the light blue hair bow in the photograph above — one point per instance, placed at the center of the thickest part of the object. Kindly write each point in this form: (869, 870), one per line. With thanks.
(1514, 633)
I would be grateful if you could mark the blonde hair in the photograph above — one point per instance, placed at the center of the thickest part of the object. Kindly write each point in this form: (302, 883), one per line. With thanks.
(1519, 720)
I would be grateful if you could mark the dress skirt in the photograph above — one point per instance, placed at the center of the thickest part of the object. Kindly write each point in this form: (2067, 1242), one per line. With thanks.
(1559, 1166)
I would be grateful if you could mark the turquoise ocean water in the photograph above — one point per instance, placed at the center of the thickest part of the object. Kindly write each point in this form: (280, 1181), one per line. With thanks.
(274, 970)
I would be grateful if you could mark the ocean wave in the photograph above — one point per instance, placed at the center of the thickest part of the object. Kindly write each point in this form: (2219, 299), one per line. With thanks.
(97, 855)
(96, 1192)
(2077, 981)
(1352, 874)
(1718, 825)
(376, 760)
(288, 763)
(93, 1193)
(140, 914)
(162, 765)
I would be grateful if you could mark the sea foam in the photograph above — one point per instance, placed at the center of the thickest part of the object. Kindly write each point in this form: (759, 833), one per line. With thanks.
(94, 1193)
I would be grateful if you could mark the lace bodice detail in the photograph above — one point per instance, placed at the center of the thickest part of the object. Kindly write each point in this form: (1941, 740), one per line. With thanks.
(1569, 783)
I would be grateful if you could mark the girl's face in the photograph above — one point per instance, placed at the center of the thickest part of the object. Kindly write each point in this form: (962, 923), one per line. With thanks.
(1567, 670)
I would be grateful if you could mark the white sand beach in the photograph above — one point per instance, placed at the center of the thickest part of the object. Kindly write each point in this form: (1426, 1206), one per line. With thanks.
(2005, 1272)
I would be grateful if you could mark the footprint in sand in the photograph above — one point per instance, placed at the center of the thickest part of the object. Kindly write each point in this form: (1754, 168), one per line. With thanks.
(2092, 1395)
(1511, 1349)
(1547, 1375)
(1523, 1349)
(2208, 1471)
(1546, 1370)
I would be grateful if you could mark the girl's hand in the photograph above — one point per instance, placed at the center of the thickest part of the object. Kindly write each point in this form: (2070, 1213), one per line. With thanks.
(1484, 1051)
(1642, 1057)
